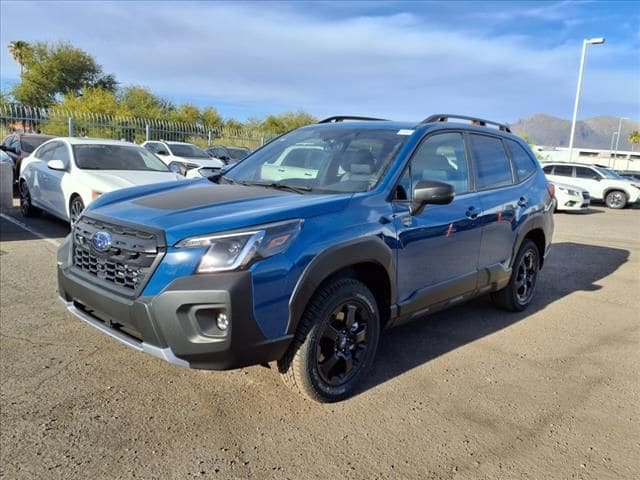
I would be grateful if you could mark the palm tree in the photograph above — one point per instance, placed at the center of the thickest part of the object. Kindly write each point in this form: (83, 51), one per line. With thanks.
(634, 138)
(19, 50)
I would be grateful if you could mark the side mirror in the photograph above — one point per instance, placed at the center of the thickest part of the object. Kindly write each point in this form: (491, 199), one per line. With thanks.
(597, 177)
(431, 192)
(56, 165)
(162, 152)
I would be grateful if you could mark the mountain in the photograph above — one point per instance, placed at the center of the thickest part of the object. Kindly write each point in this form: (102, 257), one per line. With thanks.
(593, 132)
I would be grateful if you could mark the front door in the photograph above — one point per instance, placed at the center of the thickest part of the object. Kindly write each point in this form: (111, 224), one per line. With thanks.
(438, 248)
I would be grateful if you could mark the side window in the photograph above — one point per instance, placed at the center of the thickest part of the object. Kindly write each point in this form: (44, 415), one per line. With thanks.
(524, 165)
(584, 172)
(492, 168)
(45, 153)
(14, 144)
(61, 152)
(563, 170)
(548, 169)
(440, 157)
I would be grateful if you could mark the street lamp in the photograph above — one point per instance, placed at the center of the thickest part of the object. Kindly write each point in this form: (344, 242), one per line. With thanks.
(585, 42)
(615, 154)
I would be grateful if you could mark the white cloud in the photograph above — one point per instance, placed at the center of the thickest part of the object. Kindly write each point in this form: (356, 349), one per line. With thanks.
(401, 65)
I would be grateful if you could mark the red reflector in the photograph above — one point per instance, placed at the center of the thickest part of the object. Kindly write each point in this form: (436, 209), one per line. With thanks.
(551, 188)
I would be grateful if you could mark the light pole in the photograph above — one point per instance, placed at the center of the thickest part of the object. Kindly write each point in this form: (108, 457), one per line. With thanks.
(618, 139)
(585, 42)
(613, 135)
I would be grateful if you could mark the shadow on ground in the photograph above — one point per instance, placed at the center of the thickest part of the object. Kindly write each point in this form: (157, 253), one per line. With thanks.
(570, 267)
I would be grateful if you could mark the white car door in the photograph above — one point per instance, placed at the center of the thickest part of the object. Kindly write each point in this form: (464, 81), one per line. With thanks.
(54, 188)
(161, 150)
(590, 180)
(37, 176)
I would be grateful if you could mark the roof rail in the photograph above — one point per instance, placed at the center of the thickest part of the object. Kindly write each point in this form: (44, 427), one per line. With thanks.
(444, 117)
(342, 118)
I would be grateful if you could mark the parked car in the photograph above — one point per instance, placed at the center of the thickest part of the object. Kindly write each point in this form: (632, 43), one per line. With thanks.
(632, 175)
(228, 155)
(603, 185)
(297, 161)
(571, 198)
(399, 220)
(65, 175)
(182, 157)
(20, 145)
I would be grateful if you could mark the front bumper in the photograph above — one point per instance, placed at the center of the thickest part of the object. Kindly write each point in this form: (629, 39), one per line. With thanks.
(179, 324)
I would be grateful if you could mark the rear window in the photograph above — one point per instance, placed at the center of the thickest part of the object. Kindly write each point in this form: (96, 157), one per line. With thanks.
(523, 164)
(116, 157)
(492, 168)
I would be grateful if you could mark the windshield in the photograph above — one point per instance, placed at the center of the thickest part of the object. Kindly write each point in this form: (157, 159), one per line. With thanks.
(29, 144)
(116, 157)
(606, 173)
(187, 150)
(323, 159)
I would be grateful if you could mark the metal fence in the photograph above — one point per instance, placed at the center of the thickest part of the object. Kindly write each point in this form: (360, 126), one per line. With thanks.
(61, 122)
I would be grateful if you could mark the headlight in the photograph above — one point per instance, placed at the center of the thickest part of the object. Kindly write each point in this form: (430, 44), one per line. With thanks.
(635, 185)
(233, 251)
(181, 168)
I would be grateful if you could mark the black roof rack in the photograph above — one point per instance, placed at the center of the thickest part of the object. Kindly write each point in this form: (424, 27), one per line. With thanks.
(342, 118)
(444, 117)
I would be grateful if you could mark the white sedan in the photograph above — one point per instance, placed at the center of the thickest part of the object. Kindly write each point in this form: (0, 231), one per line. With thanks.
(64, 175)
(570, 197)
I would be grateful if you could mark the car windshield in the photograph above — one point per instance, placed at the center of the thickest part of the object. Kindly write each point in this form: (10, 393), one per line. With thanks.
(116, 157)
(29, 144)
(606, 173)
(322, 159)
(187, 150)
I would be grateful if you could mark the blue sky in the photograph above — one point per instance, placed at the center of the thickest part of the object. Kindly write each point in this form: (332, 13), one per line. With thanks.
(402, 60)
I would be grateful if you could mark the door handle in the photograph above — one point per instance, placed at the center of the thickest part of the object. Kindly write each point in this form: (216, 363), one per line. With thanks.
(473, 212)
(523, 202)
(281, 170)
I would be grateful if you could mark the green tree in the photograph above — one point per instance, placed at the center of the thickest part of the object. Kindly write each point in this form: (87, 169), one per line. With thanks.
(185, 113)
(136, 101)
(20, 51)
(52, 71)
(93, 100)
(210, 117)
(233, 124)
(634, 139)
(287, 121)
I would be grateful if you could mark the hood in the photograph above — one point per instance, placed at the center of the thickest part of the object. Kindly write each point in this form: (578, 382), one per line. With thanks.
(109, 180)
(197, 207)
(201, 162)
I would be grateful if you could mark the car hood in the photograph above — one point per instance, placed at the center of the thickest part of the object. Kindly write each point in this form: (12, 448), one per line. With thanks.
(109, 180)
(201, 162)
(196, 207)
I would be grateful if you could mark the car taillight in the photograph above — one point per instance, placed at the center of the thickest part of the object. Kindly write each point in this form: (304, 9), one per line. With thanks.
(551, 188)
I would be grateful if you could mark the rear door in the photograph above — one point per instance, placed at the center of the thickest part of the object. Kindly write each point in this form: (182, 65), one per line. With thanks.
(438, 248)
(502, 201)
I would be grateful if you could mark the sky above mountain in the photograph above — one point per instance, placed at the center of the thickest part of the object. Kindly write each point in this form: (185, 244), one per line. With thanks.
(403, 60)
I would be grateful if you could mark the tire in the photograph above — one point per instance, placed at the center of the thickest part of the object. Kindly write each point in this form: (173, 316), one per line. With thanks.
(335, 344)
(76, 206)
(518, 293)
(616, 199)
(26, 207)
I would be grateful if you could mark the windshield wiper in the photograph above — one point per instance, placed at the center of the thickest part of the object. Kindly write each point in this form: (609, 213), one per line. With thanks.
(280, 186)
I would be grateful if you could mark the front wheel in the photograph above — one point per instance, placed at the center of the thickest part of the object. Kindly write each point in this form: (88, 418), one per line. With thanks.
(335, 344)
(616, 199)
(26, 207)
(518, 293)
(75, 209)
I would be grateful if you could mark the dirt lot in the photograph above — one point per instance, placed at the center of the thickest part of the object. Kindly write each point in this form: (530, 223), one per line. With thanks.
(471, 393)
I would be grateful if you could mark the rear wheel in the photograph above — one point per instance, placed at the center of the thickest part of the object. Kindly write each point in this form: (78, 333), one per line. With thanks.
(518, 293)
(335, 344)
(616, 199)
(75, 209)
(26, 207)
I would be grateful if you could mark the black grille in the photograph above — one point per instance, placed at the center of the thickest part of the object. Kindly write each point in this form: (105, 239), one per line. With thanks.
(127, 264)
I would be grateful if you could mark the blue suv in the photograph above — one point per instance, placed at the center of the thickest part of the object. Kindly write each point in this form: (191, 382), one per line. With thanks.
(303, 252)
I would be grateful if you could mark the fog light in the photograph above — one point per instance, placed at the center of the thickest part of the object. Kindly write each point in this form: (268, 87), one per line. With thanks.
(222, 321)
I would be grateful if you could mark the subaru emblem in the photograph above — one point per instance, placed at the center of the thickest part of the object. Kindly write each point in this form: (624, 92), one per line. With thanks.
(101, 241)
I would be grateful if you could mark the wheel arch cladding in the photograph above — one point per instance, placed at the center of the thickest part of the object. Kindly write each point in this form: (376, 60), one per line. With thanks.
(369, 261)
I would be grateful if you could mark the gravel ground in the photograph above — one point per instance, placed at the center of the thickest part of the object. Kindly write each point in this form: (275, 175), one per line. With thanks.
(470, 393)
